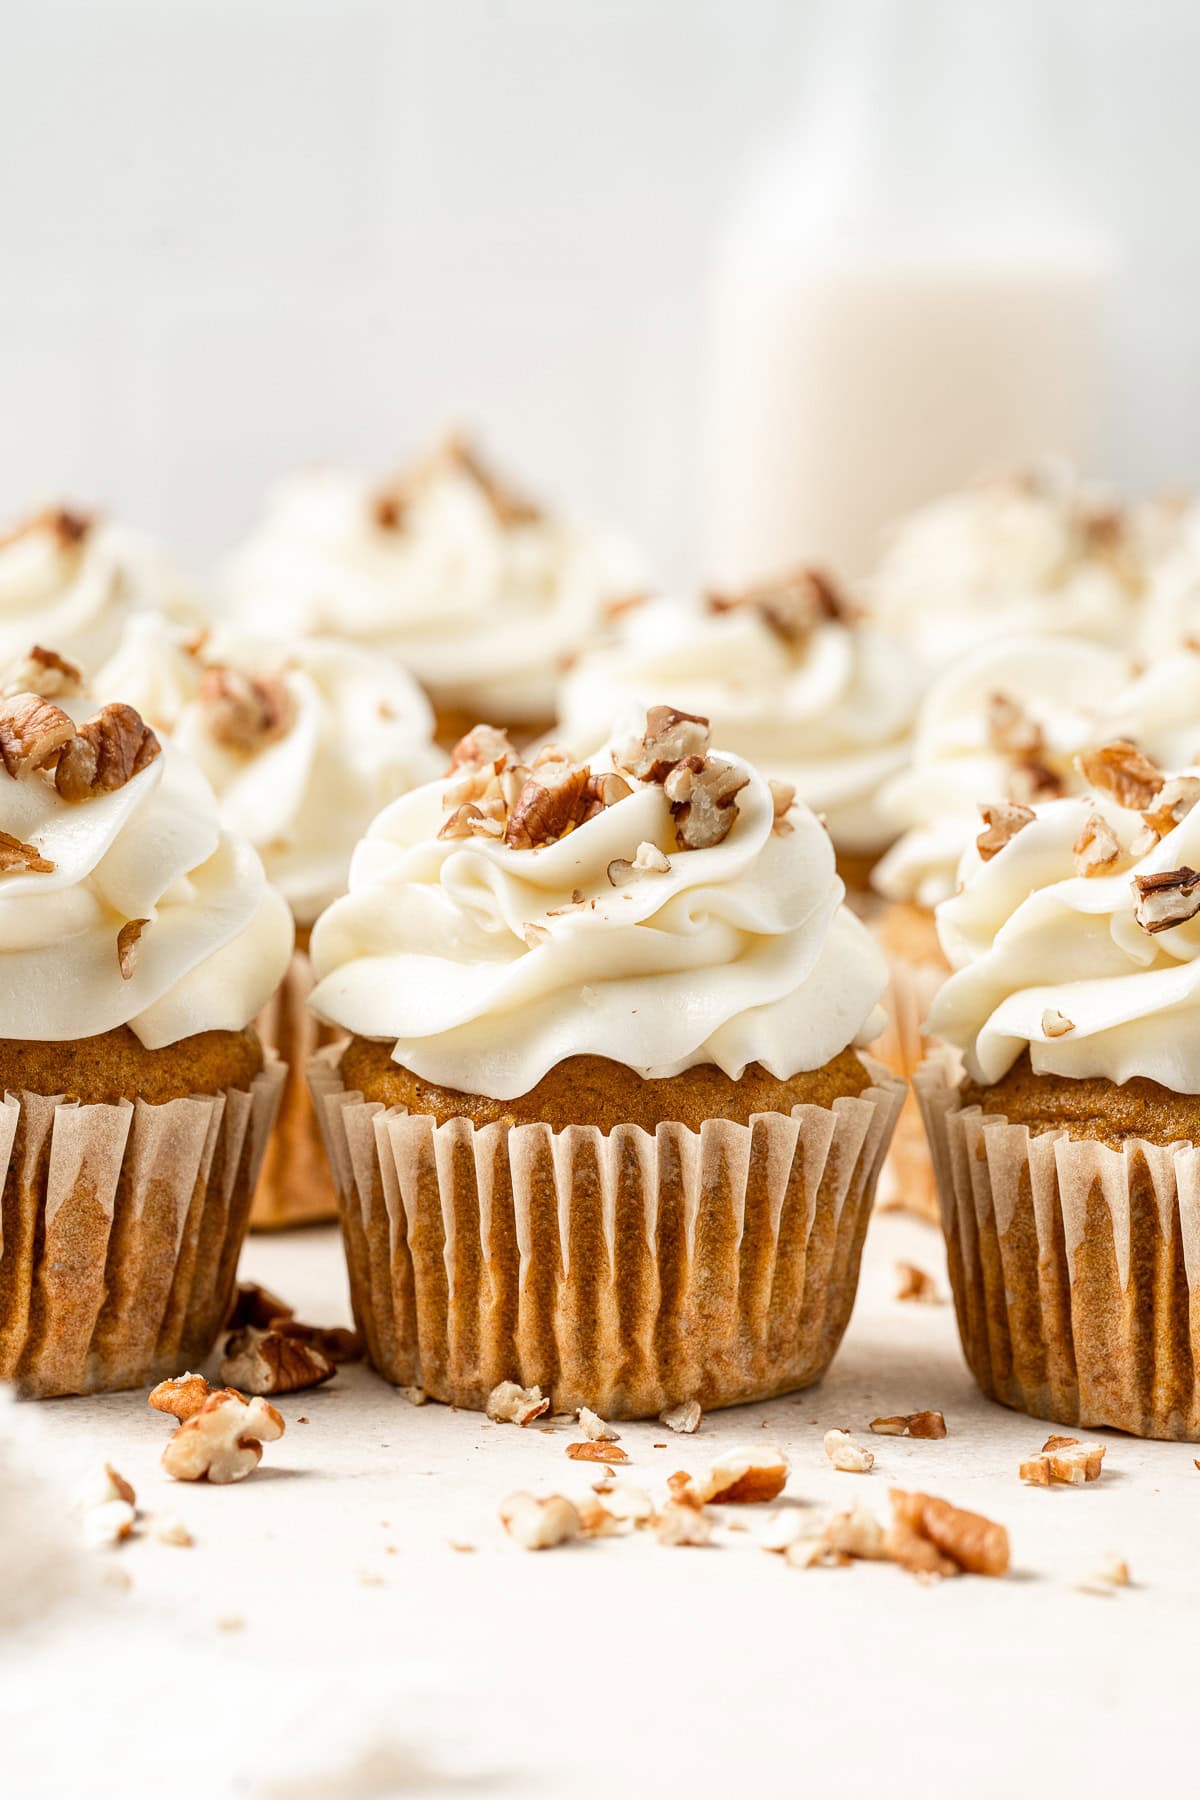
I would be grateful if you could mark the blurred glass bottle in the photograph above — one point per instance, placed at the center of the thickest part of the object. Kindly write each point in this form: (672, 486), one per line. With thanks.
(908, 294)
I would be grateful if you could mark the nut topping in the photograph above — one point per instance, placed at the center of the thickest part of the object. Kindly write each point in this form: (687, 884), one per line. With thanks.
(1097, 849)
(1172, 804)
(1011, 731)
(26, 857)
(601, 1452)
(33, 732)
(669, 737)
(270, 1362)
(70, 528)
(685, 1417)
(127, 943)
(108, 750)
(484, 746)
(1122, 771)
(648, 861)
(548, 806)
(704, 801)
(1003, 819)
(792, 605)
(46, 673)
(244, 712)
(783, 798)
(596, 1428)
(1056, 1024)
(1165, 900)
(915, 1284)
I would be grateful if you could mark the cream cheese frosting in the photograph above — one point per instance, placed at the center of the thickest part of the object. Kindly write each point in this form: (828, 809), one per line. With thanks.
(487, 964)
(1004, 722)
(211, 937)
(480, 594)
(825, 703)
(1030, 554)
(71, 580)
(1079, 938)
(303, 743)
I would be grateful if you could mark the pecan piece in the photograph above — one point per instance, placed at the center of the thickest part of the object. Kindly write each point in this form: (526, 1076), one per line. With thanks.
(1003, 819)
(26, 857)
(1056, 1024)
(913, 1283)
(684, 1417)
(223, 1441)
(184, 1395)
(598, 1451)
(268, 1362)
(1124, 772)
(1162, 901)
(44, 672)
(743, 1475)
(108, 750)
(1010, 729)
(976, 1544)
(510, 1404)
(1172, 804)
(127, 943)
(1031, 781)
(846, 1455)
(783, 798)
(33, 731)
(791, 605)
(704, 801)
(548, 806)
(1097, 849)
(337, 1343)
(254, 1304)
(1065, 1460)
(669, 737)
(911, 1425)
(61, 522)
(244, 712)
(484, 746)
(540, 1524)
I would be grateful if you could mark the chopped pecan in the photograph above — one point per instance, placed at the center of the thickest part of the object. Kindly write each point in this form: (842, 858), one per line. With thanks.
(792, 605)
(1124, 772)
(783, 798)
(669, 737)
(33, 732)
(1065, 1460)
(108, 750)
(61, 522)
(1097, 849)
(649, 860)
(913, 1283)
(127, 943)
(268, 1362)
(1010, 729)
(746, 1474)
(1056, 1024)
(510, 1404)
(911, 1425)
(102, 1485)
(706, 806)
(469, 820)
(26, 857)
(459, 455)
(1172, 804)
(223, 1441)
(1112, 1571)
(485, 746)
(184, 1395)
(684, 1417)
(548, 806)
(44, 672)
(1167, 899)
(254, 1304)
(1003, 819)
(846, 1455)
(601, 1452)
(244, 712)
(1030, 782)
(678, 1523)
(855, 1533)
(540, 1524)
(596, 1428)
(337, 1343)
(976, 1544)
(109, 1523)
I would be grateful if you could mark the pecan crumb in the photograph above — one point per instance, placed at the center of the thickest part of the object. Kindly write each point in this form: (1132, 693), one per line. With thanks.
(783, 798)
(1010, 729)
(684, 1417)
(678, 1523)
(33, 732)
(1065, 1460)
(268, 1362)
(244, 712)
(911, 1425)
(1172, 804)
(974, 1543)
(846, 1455)
(540, 1524)
(669, 737)
(1124, 772)
(183, 1396)
(1003, 819)
(596, 1428)
(46, 673)
(25, 857)
(483, 747)
(108, 750)
(254, 1304)
(1097, 849)
(603, 1451)
(223, 1441)
(510, 1404)
(792, 604)
(549, 805)
(743, 1475)
(1167, 899)
(1056, 1024)
(69, 527)
(127, 943)
(915, 1284)
(1104, 1577)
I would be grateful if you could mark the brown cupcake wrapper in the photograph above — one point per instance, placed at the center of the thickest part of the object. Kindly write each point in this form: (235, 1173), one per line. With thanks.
(625, 1272)
(122, 1227)
(1075, 1266)
(907, 1182)
(295, 1186)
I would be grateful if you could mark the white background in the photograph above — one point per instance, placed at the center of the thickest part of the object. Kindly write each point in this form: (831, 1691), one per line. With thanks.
(242, 234)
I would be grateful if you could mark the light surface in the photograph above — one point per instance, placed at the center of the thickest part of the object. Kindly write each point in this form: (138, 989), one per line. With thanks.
(368, 1658)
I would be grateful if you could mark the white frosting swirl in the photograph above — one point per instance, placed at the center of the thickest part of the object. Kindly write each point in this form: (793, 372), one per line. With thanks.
(1010, 558)
(1068, 688)
(482, 611)
(740, 953)
(218, 939)
(1036, 944)
(72, 582)
(830, 712)
(357, 732)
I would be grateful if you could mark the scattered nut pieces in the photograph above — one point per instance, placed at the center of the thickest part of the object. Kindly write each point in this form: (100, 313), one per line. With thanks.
(1011, 731)
(1121, 770)
(108, 1524)
(1066, 1460)
(625, 1502)
(974, 1543)
(1003, 820)
(1162, 901)
(27, 858)
(596, 1428)
(914, 1284)
(704, 806)
(856, 1533)
(596, 1520)
(257, 1305)
(604, 1452)
(649, 860)
(174, 1531)
(680, 1523)
(540, 1524)
(183, 1396)
(509, 1404)
(911, 1425)
(101, 1486)
(670, 737)
(107, 751)
(270, 1362)
(845, 1454)
(744, 1475)
(127, 943)
(684, 1417)
(223, 1441)
(1056, 1024)
(1110, 1573)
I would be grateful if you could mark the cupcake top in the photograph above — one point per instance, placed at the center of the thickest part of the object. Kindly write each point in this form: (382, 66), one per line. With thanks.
(795, 679)
(1076, 934)
(660, 905)
(477, 590)
(1031, 553)
(72, 580)
(302, 743)
(122, 901)
(1004, 722)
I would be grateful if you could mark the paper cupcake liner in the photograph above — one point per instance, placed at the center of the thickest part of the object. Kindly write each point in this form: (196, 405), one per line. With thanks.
(121, 1228)
(907, 1182)
(295, 1186)
(625, 1272)
(1075, 1266)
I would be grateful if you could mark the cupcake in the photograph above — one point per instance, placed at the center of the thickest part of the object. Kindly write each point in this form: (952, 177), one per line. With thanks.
(73, 580)
(478, 591)
(137, 939)
(1006, 720)
(1031, 553)
(795, 679)
(1064, 1121)
(302, 744)
(602, 1125)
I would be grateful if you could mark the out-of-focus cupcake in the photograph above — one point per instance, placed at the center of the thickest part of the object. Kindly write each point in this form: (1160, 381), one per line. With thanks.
(794, 678)
(303, 744)
(602, 1124)
(72, 580)
(1027, 554)
(1066, 1153)
(482, 594)
(137, 941)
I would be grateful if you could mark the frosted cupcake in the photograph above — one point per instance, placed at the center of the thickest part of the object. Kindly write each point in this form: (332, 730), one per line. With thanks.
(478, 591)
(795, 680)
(137, 941)
(73, 580)
(603, 1124)
(303, 744)
(1066, 1149)
(1028, 554)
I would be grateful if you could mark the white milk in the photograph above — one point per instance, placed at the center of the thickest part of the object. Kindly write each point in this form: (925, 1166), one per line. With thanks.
(902, 301)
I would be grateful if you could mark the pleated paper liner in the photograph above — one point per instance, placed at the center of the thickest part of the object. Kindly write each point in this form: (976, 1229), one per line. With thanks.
(122, 1227)
(295, 1186)
(907, 1182)
(624, 1272)
(1075, 1266)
